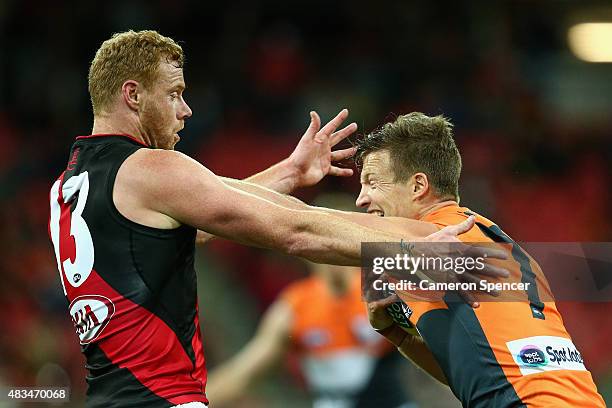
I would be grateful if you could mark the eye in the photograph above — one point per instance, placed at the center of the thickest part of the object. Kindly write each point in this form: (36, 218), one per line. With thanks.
(174, 95)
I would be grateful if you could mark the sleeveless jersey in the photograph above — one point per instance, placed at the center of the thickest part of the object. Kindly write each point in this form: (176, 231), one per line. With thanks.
(131, 289)
(504, 354)
(344, 361)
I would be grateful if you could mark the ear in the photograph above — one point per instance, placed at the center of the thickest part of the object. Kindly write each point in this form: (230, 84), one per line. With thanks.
(130, 92)
(420, 185)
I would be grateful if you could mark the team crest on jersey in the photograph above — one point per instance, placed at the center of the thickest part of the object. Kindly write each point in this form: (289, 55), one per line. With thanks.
(90, 314)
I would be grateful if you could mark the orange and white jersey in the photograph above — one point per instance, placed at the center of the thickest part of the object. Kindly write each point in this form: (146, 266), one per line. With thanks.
(338, 349)
(504, 353)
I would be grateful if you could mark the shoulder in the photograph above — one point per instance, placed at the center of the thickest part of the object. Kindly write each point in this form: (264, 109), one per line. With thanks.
(158, 171)
(417, 227)
(158, 160)
(449, 215)
(456, 215)
(153, 186)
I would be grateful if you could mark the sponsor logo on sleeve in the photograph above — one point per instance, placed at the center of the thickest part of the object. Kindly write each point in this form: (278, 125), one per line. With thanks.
(545, 353)
(400, 312)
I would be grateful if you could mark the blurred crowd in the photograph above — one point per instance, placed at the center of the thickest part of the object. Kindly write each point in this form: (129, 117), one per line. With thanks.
(534, 132)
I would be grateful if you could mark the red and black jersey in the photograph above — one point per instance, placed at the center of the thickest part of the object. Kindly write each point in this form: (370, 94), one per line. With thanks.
(131, 288)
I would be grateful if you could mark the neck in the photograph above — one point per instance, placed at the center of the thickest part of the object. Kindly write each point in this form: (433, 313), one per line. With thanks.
(119, 124)
(435, 206)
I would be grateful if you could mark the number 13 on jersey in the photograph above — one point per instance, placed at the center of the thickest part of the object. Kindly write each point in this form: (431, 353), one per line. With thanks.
(74, 250)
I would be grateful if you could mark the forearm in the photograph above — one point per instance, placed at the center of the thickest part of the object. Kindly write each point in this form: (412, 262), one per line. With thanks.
(233, 213)
(409, 229)
(415, 349)
(259, 191)
(313, 235)
(280, 177)
(268, 193)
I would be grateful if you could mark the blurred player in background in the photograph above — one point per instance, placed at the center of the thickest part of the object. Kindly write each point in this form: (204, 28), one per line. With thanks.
(501, 354)
(124, 216)
(345, 362)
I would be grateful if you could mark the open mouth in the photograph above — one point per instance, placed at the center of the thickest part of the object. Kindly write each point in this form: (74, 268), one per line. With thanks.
(176, 135)
(378, 213)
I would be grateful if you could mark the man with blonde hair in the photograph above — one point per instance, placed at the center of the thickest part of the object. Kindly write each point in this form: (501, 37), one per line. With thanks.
(124, 216)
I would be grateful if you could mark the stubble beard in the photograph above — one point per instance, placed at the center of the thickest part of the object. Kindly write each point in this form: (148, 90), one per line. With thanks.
(156, 128)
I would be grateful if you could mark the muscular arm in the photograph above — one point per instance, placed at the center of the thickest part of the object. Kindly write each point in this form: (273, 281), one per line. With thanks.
(269, 184)
(169, 184)
(262, 191)
(232, 379)
(395, 225)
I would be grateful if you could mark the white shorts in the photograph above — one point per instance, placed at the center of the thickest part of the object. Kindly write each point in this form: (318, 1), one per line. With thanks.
(192, 405)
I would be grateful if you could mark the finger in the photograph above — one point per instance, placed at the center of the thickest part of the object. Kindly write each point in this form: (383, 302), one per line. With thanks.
(383, 303)
(333, 124)
(342, 134)
(339, 172)
(379, 317)
(492, 271)
(315, 124)
(342, 154)
(461, 228)
(468, 277)
(469, 299)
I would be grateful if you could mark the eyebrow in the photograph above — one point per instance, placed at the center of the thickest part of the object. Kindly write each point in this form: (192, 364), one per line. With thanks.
(365, 176)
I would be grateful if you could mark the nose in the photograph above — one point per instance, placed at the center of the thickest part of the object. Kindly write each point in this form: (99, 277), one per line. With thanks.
(363, 200)
(185, 112)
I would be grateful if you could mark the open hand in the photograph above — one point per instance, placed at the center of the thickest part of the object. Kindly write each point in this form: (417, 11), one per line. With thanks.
(313, 156)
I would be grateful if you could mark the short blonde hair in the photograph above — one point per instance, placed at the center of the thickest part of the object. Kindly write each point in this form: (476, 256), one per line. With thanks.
(129, 55)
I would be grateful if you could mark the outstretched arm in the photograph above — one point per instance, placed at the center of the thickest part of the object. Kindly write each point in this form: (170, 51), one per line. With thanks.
(168, 184)
(311, 160)
(395, 225)
(233, 378)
